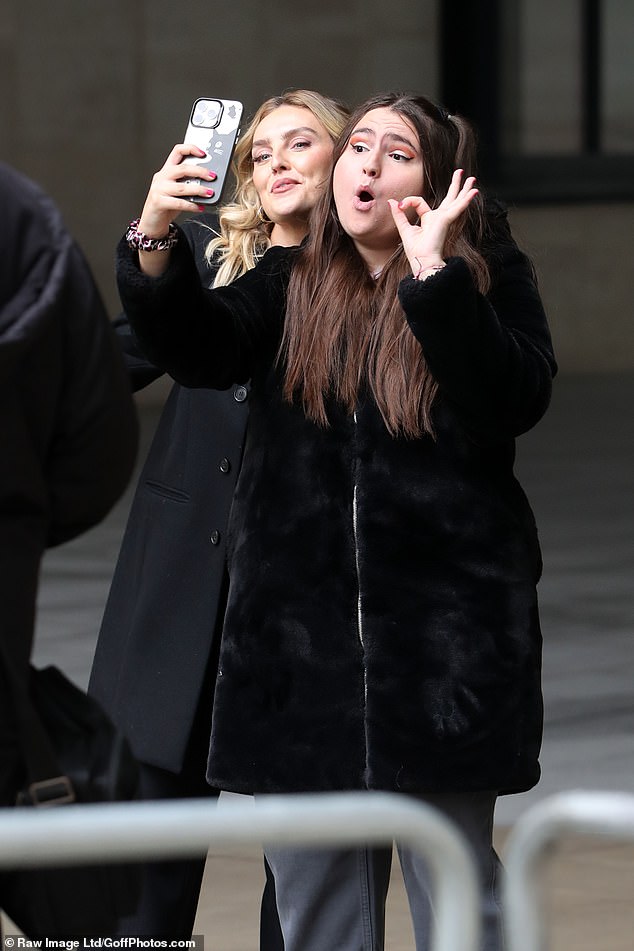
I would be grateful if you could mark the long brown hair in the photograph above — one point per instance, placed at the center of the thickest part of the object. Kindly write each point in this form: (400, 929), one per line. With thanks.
(343, 329)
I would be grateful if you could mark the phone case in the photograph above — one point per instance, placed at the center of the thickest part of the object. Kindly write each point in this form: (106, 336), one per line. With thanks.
(214, 125)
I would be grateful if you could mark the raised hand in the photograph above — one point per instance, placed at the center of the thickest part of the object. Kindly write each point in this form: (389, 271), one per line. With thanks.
(424, 243)
(166, 198)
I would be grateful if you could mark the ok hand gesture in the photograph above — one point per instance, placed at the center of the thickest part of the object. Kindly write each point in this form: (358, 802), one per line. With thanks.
(424, 243)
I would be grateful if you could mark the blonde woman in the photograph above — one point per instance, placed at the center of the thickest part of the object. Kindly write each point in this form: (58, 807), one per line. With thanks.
(267, 208)
(154, 666)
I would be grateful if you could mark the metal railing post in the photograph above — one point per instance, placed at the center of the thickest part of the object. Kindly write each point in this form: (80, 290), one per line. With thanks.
(596, 813)
(75, 834)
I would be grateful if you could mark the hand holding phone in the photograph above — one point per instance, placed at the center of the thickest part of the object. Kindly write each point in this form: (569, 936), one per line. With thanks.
(214, 126)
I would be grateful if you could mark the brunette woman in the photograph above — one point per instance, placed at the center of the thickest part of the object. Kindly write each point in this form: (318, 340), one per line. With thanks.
(381, 628)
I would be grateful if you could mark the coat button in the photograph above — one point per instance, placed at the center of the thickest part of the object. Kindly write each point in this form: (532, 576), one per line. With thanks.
(225, 465)
(240, 394)
(214, 538)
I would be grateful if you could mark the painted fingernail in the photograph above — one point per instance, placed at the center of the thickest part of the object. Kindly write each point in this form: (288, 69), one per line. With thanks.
(209, 192)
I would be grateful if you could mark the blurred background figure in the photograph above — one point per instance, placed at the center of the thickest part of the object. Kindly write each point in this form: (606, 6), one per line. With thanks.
(68, 426)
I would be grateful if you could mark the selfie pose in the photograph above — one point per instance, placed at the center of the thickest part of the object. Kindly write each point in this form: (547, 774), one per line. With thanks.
(155, 663)
(381, 628)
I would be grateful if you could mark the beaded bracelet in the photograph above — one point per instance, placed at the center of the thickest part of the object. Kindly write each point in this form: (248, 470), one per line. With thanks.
(141, 242)
(428, 271)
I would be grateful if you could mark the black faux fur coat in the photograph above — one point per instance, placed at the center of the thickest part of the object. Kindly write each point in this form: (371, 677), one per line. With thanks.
(382, 628)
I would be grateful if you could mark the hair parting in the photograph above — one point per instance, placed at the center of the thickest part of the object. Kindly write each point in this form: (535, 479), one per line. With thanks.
(344, 330)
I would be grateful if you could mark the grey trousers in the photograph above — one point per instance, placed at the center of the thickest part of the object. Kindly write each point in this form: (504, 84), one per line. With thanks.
(335, 898)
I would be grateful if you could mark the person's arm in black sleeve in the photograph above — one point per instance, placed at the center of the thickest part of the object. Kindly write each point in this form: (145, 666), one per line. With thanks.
(205, 337)
(198, 231)
(491, 356)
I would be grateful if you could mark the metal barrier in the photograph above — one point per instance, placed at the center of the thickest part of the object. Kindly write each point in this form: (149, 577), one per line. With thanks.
(596, 813)
(76, 834)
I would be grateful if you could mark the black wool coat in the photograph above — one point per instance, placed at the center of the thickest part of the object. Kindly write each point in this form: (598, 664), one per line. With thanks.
(158, 642)
(382, 628)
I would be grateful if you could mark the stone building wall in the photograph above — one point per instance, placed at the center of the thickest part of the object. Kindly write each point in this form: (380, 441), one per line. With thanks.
(95, 94)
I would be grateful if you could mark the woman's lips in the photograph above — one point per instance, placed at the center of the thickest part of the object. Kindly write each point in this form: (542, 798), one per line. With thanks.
(363, 202)
(364, 198)
(283, 185)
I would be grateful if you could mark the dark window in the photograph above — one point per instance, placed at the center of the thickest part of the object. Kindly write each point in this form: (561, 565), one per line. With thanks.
(550, 86)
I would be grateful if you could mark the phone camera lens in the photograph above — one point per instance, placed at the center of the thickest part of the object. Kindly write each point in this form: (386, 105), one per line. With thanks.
(207, 113)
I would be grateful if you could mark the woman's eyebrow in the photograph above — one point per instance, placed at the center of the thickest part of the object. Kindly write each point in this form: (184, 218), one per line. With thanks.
(391, 136)
(301, 130)
(395, 137)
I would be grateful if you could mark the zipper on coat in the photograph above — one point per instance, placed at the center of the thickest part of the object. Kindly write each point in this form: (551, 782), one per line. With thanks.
(357, 561)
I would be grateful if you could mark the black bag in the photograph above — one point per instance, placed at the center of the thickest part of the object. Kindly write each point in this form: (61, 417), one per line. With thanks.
(70, 752)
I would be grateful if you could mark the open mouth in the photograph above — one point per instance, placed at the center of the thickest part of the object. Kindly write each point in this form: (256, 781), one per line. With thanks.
(363, 199)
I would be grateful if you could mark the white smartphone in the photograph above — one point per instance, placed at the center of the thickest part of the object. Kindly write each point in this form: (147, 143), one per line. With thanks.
(214, 126)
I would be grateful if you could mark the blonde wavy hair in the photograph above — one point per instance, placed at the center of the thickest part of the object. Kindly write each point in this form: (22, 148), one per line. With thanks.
(244, 235)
